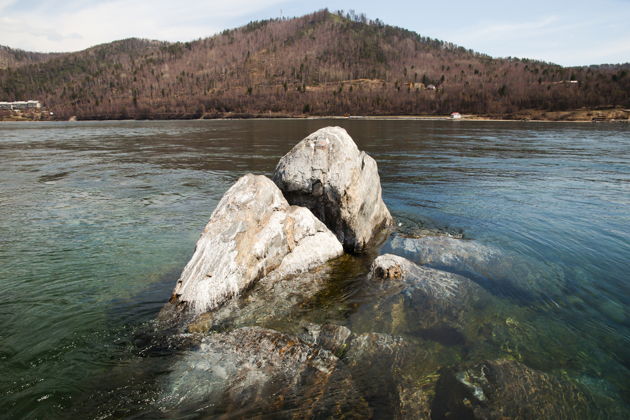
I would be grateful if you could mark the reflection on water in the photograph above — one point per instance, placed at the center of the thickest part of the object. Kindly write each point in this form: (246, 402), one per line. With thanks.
(99, 218)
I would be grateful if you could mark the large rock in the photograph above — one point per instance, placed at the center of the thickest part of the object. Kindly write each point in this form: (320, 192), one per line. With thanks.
(252, 233)
(249, 372)
(328, 174)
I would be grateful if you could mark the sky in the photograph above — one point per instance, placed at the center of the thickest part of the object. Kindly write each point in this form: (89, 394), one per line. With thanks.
(565, 32)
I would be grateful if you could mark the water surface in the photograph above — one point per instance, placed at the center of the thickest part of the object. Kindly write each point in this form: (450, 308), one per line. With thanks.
(98, 219)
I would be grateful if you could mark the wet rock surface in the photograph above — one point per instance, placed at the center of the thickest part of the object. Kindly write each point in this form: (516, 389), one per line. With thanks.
(334, 338)
(271, 300)
(504, 389)
(328, 174)
(253, 233)
(383, 368)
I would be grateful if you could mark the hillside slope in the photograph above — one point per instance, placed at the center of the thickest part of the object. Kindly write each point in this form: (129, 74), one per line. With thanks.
(14, 58)
(318, 64)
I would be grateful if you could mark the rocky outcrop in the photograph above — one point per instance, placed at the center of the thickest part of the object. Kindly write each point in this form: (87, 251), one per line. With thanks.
(503, 389)
(328, 174)
(254, 370)
(252, 233)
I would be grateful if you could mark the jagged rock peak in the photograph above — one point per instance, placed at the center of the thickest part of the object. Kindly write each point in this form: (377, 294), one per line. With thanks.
(327, 173)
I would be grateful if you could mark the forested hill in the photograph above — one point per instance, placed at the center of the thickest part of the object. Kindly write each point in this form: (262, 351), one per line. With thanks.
(319, 64)
(13, 58)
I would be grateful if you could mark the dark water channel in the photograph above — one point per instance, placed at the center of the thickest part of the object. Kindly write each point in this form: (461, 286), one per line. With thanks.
(98, 219)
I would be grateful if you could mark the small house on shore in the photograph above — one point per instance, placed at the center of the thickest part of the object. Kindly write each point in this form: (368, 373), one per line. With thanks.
(456, 116)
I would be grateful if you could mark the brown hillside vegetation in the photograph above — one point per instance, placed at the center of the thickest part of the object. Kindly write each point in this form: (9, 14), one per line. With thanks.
(319, 64)
(13, 58)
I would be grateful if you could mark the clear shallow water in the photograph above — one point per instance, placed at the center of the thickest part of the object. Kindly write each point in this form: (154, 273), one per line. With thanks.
(99, 218)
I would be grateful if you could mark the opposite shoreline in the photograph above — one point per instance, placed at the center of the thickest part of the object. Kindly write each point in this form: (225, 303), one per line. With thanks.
(575, 116)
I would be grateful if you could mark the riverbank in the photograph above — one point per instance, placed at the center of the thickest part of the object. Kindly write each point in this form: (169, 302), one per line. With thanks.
(29, 115)
(613, 114)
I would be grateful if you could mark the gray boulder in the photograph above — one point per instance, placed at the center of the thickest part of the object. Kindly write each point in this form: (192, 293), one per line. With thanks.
(271, 301)
(252, 233)
(328, 174)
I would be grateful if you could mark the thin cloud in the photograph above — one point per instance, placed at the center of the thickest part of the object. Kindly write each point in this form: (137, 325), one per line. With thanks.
(562, 31)
(41, 29)
(5, 4)
(511, 30)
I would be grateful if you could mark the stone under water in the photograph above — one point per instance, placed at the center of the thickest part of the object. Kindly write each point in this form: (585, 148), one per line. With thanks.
(254, 370)
(405, 298)
(503, 272)
(504, 388)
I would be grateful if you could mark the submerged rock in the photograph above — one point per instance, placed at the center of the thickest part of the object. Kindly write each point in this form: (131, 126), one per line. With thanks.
(386, 369)
(382, 367)
(508, 389)
(253, 370)
(328, 174)
(252, 233)
(392, 270)
(504, 273)
(331, 337)
(411, 299)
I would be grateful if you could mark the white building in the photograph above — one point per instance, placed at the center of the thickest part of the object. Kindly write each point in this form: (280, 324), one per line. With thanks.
(31, 104)
(456, 115)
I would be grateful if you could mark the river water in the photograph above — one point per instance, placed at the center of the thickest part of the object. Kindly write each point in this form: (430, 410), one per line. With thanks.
(98, 219)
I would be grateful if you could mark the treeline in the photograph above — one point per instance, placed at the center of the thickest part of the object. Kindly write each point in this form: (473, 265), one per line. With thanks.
(319, 64)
